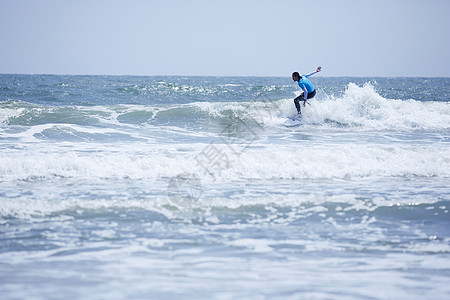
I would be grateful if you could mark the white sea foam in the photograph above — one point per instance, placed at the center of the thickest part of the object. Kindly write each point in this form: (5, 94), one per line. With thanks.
(362, 106)
(149, 161)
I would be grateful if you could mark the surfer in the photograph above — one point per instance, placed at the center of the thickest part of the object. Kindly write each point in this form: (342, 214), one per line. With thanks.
(308, 89)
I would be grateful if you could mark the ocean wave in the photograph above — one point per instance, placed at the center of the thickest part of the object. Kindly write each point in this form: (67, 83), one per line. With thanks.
(364, 107)
(358, 107)
(150, 161)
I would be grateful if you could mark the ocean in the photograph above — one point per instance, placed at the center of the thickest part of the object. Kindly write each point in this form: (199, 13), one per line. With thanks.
(171, 187)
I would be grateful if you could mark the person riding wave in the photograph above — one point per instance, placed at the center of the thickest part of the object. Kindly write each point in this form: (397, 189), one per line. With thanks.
(308, 89)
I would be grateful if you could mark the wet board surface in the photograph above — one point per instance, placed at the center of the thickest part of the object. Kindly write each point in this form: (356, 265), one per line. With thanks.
(291, 122)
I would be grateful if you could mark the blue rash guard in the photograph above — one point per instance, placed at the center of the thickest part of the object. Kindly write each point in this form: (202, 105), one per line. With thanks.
(304, 83)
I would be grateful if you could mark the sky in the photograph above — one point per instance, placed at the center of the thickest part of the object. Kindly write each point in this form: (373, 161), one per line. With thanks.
(384, 38)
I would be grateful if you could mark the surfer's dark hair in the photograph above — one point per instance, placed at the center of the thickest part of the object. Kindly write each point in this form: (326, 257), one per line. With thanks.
(296, 74)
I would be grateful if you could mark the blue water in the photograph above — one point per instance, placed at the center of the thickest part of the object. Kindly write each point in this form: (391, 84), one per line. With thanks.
(122, 187)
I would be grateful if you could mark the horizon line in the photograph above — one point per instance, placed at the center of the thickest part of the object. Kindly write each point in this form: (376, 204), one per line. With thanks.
(223, 76)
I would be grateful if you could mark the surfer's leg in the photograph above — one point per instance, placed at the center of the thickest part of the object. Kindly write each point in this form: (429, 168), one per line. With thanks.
(297, 103)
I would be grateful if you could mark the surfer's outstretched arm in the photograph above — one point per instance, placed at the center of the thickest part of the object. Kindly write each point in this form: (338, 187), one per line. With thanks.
(319, 68)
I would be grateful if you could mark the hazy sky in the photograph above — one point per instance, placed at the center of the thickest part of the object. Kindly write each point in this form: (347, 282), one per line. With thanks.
(254, 37)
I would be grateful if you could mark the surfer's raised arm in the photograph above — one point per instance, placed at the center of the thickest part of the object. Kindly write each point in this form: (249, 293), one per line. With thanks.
(319, 68)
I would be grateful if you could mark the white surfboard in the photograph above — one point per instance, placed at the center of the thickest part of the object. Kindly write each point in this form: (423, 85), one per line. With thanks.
(291, 122)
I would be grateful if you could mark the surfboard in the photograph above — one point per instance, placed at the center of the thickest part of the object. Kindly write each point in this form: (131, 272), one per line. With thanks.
(291, 122)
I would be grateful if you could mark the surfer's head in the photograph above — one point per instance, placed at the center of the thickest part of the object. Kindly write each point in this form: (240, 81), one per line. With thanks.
(296, 76)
